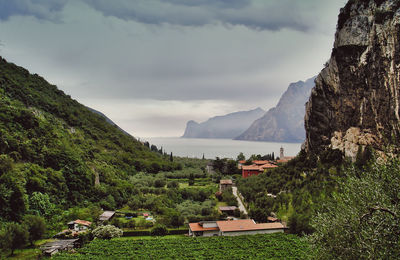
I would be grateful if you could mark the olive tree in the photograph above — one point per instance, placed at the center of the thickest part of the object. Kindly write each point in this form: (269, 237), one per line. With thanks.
(362, 219)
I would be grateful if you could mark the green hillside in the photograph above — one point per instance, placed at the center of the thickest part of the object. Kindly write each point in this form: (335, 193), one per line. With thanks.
(52, 147)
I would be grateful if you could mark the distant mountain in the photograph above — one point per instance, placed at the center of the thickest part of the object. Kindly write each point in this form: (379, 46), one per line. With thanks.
(228, 126)
(285, 122)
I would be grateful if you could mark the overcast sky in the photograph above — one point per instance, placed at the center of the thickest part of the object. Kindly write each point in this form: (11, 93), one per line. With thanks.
(152, 65)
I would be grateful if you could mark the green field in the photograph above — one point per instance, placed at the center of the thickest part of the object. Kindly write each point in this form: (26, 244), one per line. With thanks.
(271, 246)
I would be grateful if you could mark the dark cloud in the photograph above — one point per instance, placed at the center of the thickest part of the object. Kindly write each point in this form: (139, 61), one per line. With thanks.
(41, 9)
(255, 14)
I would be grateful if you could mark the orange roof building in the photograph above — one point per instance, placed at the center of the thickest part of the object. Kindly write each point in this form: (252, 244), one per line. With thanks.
(234, 228)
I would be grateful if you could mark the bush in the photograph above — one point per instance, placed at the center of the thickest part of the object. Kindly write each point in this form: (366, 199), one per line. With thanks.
(159, 230)
(107, 232)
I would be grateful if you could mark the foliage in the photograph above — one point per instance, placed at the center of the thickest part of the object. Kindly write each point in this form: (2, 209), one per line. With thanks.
(36, 227)
(13, 236)
(107, 232)
(362, 219)
(159, 230)
(270, 246)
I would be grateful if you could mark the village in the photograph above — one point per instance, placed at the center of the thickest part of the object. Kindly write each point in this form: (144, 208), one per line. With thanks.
(233, 220)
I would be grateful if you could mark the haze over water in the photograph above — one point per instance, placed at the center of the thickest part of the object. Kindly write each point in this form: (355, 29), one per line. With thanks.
(223, 148)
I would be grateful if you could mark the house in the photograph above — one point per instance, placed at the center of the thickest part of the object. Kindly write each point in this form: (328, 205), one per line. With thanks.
(256, 168)
(234, 228)
(228, 210)
(210, 168)
(225, 184)
(106, 216)
(79, 225)
(203, 229)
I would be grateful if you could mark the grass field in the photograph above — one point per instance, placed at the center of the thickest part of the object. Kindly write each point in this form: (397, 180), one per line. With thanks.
(271, 246)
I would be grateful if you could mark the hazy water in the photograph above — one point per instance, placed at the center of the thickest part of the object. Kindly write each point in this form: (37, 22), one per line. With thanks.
(223, 148)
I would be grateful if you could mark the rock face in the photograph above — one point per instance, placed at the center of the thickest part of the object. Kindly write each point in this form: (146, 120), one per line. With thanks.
(228, 126)
(285, 122)
(356, 98)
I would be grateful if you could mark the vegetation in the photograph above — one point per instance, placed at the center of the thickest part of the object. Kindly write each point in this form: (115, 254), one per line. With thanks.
(361, 220)
(107, 232)
(280, 245)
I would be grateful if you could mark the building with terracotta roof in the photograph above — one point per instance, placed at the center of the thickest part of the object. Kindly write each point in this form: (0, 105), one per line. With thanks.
(250, 170)
(79, 225)
(233, 228)
(228, 210)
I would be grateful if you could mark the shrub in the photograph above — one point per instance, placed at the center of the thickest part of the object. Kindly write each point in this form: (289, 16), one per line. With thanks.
(107, 232)
(159, 230)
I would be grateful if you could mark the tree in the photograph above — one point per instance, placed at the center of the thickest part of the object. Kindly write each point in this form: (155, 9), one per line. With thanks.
(36, 227)
(39, 204)
(362, 220)
(107, 232)
(14, 236)
(191, 179)
(159, 230)
(171, 158)
(241, 157)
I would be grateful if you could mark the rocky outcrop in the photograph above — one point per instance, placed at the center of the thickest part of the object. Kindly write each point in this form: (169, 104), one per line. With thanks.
(285, 122)
(356, 98)
(227, 126)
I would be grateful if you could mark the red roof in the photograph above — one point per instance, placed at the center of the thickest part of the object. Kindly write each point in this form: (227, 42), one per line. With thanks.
(246, 224)
(83, 222)
(260, 162)
(196, 227)
(267, 166)
(242, 161)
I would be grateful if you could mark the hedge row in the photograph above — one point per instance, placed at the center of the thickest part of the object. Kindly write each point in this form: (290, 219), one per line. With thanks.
(136, 233)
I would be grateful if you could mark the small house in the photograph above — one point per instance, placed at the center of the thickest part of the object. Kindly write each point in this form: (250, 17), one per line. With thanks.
(228, 210)
(225, 184)
(79, 225)
(203, 229)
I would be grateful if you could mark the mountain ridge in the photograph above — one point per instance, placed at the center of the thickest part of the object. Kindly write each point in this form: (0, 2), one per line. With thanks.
(225, 126)
(283, 123)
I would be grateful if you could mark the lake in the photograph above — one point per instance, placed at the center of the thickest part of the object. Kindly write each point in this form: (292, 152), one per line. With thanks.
(223, 148)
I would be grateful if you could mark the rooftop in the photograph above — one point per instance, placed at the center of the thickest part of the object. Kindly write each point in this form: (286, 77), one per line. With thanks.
(80, 222)
(106, 215)
(227, 208)
(196, 227)
(246, 224)
(225, 182)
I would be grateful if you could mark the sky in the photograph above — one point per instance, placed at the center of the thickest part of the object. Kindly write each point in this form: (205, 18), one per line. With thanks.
(153, 65)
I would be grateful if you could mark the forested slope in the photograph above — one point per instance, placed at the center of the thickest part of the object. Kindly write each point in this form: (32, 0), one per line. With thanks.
(49, 143)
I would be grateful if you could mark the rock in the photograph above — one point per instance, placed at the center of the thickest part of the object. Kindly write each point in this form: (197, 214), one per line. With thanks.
(226, 126)
(285, 122)
(355, 101)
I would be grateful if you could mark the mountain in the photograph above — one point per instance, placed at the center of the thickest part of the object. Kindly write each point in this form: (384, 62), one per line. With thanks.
(285, 122)
(54, 149)
(355, 102)
(227, 126)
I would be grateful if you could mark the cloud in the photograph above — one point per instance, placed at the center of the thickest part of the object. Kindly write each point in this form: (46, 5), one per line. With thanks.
(41, 9)
(255, 14)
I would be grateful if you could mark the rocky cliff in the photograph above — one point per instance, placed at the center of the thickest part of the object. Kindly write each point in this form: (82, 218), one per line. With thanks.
(285, 122)
(227, 126)
(356, 98)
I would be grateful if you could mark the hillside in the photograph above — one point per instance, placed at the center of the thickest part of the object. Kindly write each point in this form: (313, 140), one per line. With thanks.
(355, 102)
(226, 126)
(285, 122)
(51, 144)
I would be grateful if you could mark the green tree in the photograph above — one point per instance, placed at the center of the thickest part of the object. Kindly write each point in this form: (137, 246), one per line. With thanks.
(191, 179)
(39, 204)
(36, 227)
(159, 230)
(362, 220)
(240, 157)
(15, 236)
